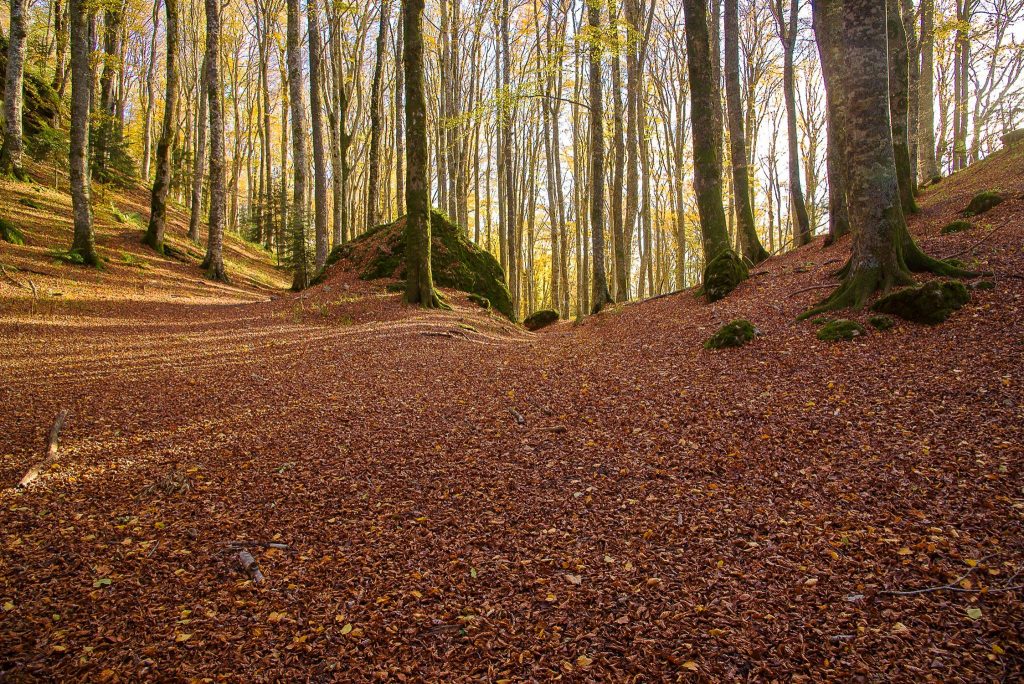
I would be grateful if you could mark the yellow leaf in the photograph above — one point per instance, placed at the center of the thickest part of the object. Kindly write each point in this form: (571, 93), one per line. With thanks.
(971, 562)
(690, 665)
(997, 649)
(276, 617)
(974, 613)
(551, 598)
(904, 551)
(347, 628)
(182, 637)
(900, 628)
(8, 606)
(574, 579)
(584, 661)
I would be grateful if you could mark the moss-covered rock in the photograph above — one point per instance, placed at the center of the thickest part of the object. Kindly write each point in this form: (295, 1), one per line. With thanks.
(482, 302)
(1013, 137)
(840, 329)
(984, 285)
(722, 274)
(733, 334)
(10, 233)
(982, 202)
(540, 319)
(930, 303)
(40, 102)
(881, 322)
(956, 227)
(455, 262)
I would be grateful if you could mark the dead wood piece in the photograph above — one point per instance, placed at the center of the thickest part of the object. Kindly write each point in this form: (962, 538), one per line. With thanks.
(442, 333)
(281, 546)
(10, 279)
(51, 451)
(250, 567)
(518, 416)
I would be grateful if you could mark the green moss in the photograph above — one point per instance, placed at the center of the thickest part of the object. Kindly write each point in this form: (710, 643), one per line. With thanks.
(881, 322)
(723, 274)
(10, 233)
(956, 227)
(839, 330)
(30, 203)
(540, 319)
(733, 334)
(68, 256)
(930, 303)
(395, 287)
(982, 202)
(985, 285)
(482, 302)
(456, 262)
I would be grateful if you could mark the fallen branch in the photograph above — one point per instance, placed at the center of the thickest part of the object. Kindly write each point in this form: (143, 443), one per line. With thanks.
(249, 566)
(444, 333)
(977, 244)
(518, 416)
(281, 546)
(10, 279)
(51, 451)
(808, 289)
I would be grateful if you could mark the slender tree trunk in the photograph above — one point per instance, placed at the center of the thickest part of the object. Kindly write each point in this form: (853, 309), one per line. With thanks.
(909, 17)
(600, 296)
(787, 33)
(316, 121)
(147, 132)
(899, 88)
(619, 287)
(926, 112)
(400, 118)
(507, 194)
(60, 39)
(376, 121)
(162, 183)
(419, 281)
(838, 212)
(749, 244)
(13, 146)
(299, 141)
(214, 262)
(199, 160)
(84, 242)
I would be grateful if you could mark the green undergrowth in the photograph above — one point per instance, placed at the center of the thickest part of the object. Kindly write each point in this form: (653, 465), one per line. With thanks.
(733, 334)
(11, 233)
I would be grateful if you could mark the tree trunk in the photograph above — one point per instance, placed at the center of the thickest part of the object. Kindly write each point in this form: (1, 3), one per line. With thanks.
(620, 265)
(162, 183)
(507, 186)
(13, 146)
(214, 262)
(899, 88)
(376, 123)
(200, 159)
(838, 212)
(749, 244)
(929, 166)
(316, 121)
(147, 132)
(400, 118)
(84, 242)
(856, 63)
(419, 287)
(600, 296)
(300, 155)
(787, 33)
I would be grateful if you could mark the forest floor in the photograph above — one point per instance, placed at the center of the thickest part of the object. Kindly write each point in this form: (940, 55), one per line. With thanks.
(463, 500)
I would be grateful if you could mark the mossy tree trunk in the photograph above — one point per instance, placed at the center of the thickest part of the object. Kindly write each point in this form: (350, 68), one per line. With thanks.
(419, 280)
(600, 296)
(376, 121)
(899, 105)
(12, 151)
(317, 136)
(162, 182)
(706, 128)
(81, 88)
(884, 254)
(202, 121)
(749, 244)
(300, 154)
(838, 211)
(214, 262)
(926, 96)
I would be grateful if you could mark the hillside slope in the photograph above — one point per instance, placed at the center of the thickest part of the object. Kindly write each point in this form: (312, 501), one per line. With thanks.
(462, 500)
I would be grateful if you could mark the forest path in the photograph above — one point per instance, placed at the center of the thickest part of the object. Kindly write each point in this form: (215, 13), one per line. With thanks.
(601, 500)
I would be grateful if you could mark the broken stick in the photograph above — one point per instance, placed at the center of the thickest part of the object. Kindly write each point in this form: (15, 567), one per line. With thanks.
(51, 451)
(250, 567)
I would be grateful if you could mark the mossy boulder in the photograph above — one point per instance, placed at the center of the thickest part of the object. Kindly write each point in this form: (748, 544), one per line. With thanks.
(930, 303)
(10, 233)
(1013, 137)
(881, 322)
(982, 202)
(455, 262)
(722, 274)
(840, 330)
(482, 302)
(984, 285)
(956, 227)
(40, 102)
(540, 319)
(733, 334)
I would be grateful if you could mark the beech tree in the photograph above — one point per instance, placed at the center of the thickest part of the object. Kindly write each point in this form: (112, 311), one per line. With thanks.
(84, 243)
(162, 183)
(13, 145)
(214, 261)
(600, 295)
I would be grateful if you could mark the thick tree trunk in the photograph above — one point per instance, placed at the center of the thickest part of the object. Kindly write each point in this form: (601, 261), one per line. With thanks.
(199, 161)
(600, 295)
(376, 121)
(838, 212)
(81, 90)
(929, 166)
(749, 244)
(909, 17)
(300, 154)
(419, 287)
(316, 121)
(162, 183)
(855, 62)
(899, 89)
(13, 146)
(214, 262)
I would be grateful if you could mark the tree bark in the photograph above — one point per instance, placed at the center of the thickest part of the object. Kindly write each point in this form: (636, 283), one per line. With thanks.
(13, 146)
(84, 242)
(214, 262)
(899, 89)
(316, 121)
(200, 158)
(147, 132)
(929, 166)
(600, 295)
(787, 33)
(376, 121)
(300, 154)
(750, 246)
(838, 211)
(162, 182)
